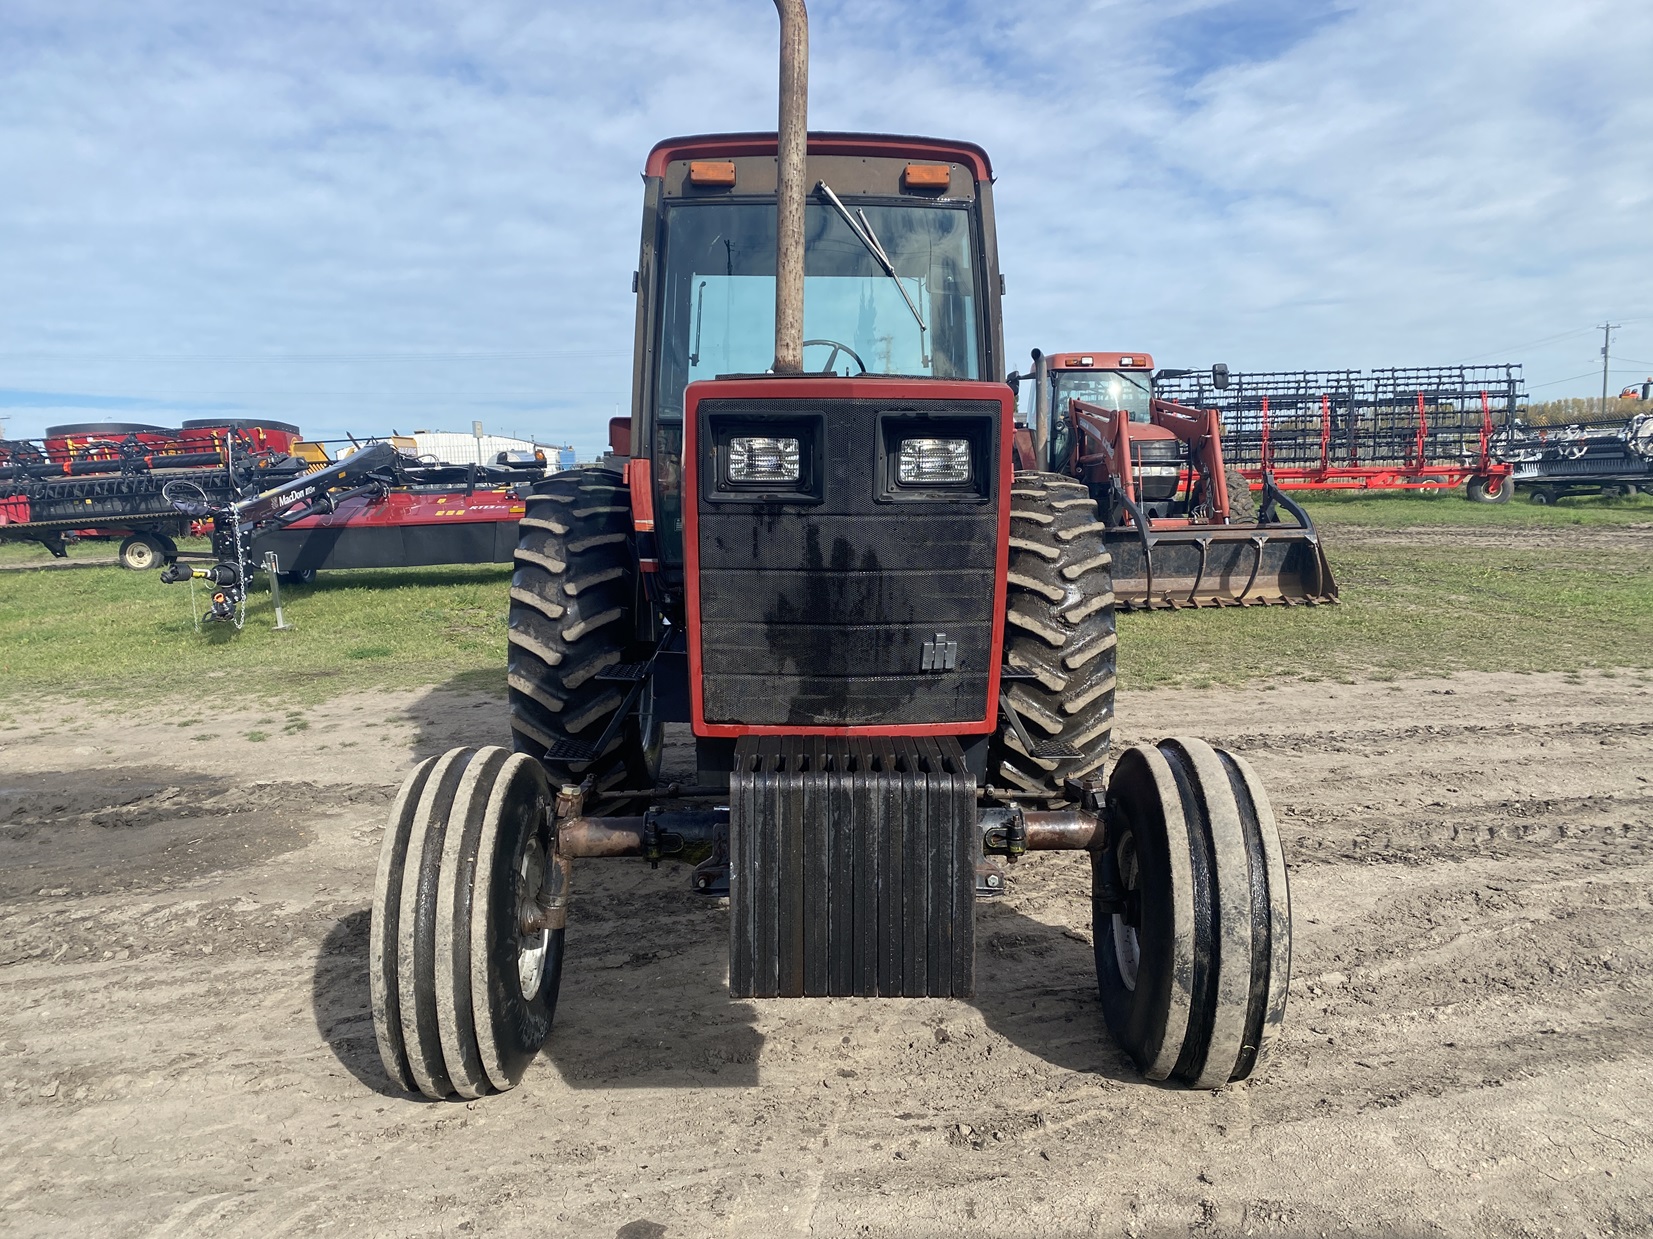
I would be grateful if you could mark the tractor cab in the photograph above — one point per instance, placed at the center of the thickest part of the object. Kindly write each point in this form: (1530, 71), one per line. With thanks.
(1123, 382)
(900, 282)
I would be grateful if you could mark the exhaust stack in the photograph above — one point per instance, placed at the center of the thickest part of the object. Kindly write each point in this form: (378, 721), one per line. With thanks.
(1042, 411)
(792, 146)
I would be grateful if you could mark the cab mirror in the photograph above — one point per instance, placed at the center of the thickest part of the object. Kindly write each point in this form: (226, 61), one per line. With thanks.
(1219, 376)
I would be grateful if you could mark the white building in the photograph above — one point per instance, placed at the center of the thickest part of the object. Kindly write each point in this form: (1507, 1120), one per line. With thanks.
(453, 448)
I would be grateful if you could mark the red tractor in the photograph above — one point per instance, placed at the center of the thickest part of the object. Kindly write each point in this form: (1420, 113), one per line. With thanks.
(894, 651)
(1183, 530)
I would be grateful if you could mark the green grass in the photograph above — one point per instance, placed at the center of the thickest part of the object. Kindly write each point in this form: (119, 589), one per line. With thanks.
(107, 632)
(80, 552)
(1404, 511)
(1407, 609)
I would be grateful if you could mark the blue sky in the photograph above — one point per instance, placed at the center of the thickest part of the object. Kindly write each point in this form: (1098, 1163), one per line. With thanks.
(370, 216)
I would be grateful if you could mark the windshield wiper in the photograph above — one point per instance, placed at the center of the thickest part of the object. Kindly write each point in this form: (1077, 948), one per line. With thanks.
(699, 322)
(862, 228)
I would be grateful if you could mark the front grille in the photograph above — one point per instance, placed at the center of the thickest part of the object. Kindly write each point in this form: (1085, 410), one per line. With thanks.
(1158, 466)
(817, 611)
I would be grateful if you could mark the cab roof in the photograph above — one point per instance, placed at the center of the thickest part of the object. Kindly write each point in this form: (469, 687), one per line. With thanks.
(875, 145)
(1099, 361)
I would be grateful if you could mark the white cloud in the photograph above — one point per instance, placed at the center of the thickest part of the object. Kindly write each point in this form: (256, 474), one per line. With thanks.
(357, 217)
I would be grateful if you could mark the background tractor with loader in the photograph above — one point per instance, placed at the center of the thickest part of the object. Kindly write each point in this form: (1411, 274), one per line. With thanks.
(1183, 529)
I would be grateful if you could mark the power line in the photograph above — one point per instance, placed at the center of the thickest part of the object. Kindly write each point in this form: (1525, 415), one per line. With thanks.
(1588, 374)
(1530, 344)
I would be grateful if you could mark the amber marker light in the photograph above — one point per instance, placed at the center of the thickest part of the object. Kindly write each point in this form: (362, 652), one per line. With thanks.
(927, 176)
(712, 172)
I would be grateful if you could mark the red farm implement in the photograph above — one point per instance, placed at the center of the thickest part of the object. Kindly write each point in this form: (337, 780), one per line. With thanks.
(1422, 428)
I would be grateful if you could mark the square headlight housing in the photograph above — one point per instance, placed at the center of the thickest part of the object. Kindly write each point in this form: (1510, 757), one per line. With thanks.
(759, 458)
(771, 459)
(922, 461)
(937, 456)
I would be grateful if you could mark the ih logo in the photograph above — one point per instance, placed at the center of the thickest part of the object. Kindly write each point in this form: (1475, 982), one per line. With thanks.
(940, 654)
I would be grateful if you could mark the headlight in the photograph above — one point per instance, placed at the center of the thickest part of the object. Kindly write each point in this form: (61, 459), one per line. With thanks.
(933, 461)
(755, 459)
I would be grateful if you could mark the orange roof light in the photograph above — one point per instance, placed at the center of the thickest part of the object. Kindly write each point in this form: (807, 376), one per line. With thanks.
(927, 176)
(1080, 361)
(712, 172)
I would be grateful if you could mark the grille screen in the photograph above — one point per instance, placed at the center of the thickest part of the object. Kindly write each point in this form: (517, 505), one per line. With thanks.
(818, 611)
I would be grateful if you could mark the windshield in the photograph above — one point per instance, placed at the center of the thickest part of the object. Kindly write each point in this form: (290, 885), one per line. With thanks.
(718, 303)
(1109, 389)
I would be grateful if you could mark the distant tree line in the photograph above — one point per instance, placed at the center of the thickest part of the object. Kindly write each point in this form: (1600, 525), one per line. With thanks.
(1582, 409)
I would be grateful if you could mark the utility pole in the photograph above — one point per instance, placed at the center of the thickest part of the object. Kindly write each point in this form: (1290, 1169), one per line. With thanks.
(1607, 330)
(791, 145)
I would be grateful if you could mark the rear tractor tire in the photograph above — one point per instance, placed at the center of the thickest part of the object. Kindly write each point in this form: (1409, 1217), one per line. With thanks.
(463, 994)
(573, 615)
(1058, 640)
(1191, 914)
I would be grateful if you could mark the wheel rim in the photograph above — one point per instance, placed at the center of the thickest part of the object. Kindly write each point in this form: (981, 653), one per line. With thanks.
(140, 555)
(651, 731)
(532, 948)
(1127, 948)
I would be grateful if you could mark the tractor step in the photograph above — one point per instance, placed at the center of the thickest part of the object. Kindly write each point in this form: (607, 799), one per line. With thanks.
(571, 750)
(852, 868)
(624, 673)
(1055, 750)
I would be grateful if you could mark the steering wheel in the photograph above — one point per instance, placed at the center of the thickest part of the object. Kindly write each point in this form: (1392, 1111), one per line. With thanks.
(837, 347)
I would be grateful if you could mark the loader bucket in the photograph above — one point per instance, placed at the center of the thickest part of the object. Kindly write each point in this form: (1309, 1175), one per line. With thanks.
(1243, 565)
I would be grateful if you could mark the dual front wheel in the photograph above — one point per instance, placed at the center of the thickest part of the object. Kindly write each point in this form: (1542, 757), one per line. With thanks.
(466, 942)
(1191, 914)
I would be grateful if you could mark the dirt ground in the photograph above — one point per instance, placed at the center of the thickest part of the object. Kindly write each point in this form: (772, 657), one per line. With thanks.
(185, 1044)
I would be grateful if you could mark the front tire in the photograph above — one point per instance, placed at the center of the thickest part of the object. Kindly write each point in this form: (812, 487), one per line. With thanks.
(462, 995)
(1191, 914)
(1059, 635)
(1242, 504)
